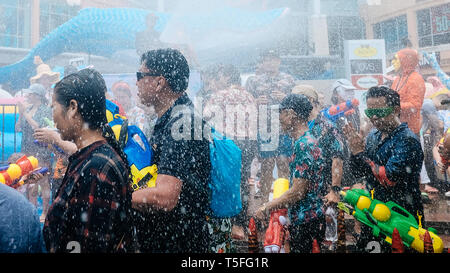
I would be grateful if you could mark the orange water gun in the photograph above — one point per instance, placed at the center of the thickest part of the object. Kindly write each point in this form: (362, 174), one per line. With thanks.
(276, 232)
(14, 172)
(346, 108)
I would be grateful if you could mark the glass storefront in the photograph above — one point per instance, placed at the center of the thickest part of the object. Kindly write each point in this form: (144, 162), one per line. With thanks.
(53, 14)
(394, 31)
(433, 25)
(15, 23)
(16, 20)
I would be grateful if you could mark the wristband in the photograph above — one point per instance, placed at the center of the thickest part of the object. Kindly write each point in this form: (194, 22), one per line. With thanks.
(336, 189)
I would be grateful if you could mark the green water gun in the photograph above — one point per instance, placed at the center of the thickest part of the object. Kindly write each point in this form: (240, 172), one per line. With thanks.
(382, 218)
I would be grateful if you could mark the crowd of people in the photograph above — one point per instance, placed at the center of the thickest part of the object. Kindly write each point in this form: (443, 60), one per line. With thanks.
(397, 149)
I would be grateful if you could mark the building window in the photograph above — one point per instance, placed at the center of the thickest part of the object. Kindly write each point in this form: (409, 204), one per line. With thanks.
(339, 7)
(15, 23)
(433, 26)
(53, 14)
(341, 28)
(393, 31)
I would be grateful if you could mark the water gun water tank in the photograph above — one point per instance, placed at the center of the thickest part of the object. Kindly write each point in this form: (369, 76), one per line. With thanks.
(346, 108)
(140, 159)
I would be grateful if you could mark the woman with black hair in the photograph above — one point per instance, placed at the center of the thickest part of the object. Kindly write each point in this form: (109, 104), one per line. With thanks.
(93, 204)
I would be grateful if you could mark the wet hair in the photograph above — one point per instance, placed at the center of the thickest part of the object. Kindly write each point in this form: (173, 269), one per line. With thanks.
(299, 103)
(170, 64)
(392, 97)
(88, 88)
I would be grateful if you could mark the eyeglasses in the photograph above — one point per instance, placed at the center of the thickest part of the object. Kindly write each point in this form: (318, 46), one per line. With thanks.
(379, 112)
(141, 75)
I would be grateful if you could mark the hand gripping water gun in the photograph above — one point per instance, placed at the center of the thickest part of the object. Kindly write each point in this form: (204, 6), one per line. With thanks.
(333, 113)
(50, 125)
(46, 145)
(13, 172)
(135, 146)
(384, 217)
(20, 182)
(276, 232)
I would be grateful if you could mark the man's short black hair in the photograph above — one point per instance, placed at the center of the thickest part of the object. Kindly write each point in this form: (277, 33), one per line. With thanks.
(392, 97)
(299, 103)
(171, 64)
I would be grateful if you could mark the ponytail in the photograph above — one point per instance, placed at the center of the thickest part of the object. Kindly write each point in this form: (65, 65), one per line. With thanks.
(108, 134)
(128, 243)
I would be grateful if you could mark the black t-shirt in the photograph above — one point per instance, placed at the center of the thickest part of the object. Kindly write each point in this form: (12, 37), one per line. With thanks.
(183, 229)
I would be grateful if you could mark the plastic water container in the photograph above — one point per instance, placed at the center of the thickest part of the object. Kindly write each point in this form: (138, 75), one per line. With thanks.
(331, 224)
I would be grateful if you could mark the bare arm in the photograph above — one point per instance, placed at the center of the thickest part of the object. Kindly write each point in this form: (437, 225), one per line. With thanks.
(53, 137)
(67, 146)
(164, 196)
(336, 172)
(294, 194)
(31, 121)
(336, 180)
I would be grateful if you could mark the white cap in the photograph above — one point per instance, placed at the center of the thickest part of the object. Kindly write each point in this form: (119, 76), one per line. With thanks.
(345, 89)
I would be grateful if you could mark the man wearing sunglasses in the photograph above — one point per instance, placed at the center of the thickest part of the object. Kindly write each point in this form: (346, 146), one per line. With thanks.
(391, 157)
(171, 216)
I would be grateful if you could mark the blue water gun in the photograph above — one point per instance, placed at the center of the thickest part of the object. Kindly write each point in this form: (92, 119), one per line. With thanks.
(333, 113)
(45, 145)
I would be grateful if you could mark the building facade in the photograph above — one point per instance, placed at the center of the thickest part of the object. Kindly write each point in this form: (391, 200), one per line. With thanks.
(425, 23)
(317, 28)
(25, 22)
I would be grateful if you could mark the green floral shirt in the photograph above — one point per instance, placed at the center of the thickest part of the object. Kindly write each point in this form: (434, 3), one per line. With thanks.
(307, 163)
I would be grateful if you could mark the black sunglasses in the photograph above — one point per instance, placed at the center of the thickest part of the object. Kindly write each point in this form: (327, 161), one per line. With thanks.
(141, 75)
